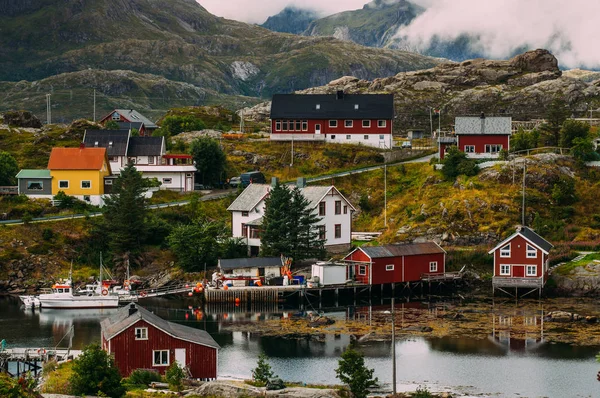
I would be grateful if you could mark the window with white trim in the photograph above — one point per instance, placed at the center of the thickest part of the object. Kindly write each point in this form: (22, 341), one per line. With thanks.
(318, 106)
(504, 269)
(531, 251)
(381, 123)
(297, 125)
(366, 123)
(63, 184)
(285, 125)
(493, 148)
(348, 136)
(160, 358)
(291, 127)
(347, 123)
(362, 270)
(355, 107)
(389, 267)
(381, 137)
(278, 125)
(141, 333)
(531, 270)
(150, 159)
(433, 266)
(333, 123)
(305, 125)
(505, 251)
(86, 184)
(108, 182)
(167, 180)
(35, 185)
(366, 136)
(87, 198)
(469, 148)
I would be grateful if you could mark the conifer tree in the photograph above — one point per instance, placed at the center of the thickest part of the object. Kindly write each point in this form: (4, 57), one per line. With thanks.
(307, 242)
(352, 371)
(275, 235)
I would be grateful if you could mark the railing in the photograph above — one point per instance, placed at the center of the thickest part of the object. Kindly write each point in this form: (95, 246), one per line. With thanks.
(430, 277)
(517, 282)
(297, 137)
(9, 190)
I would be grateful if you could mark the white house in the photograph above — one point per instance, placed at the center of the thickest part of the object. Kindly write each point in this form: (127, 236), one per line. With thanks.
(335, 211)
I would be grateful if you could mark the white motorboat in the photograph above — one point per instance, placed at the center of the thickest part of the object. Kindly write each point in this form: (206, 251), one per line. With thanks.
(30, 301)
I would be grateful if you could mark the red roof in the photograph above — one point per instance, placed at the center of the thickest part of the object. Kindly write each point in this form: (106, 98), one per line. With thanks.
(77, 158)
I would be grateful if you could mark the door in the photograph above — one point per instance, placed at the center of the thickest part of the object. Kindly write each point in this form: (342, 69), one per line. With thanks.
(317, 129)
(189, 185)
(518, 271)
(180, 357)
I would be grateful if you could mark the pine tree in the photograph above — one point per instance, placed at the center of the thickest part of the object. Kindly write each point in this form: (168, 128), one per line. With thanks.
(308, 243)
(353, 372)
(209, 159)
(263, 372)
(556, 114)
(275, 235)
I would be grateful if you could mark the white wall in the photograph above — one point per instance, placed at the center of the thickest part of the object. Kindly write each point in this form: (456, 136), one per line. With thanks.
(177, 179)
(373, 140)
(331, 219)
(237, 220)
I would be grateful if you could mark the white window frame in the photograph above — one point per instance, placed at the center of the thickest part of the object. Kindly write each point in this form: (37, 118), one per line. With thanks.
(161, 364)
(167, 180)
(531, 251)
(433, 266)
(88, 181)
(318, 106)
(362, 270)
(298, 125)
(381, 123)
(504, 269)
(31, 183)
(305, 125)
(366, 123)
(60, 186)
(87, 198)
(381, 137)
(366, 136)
(333, 124)
(290, 125)
(493, 148)
(277, 125)
(150, 159)
(389, 267)
(348, 124)
(504, 252)
(356, 107)
(108, 182)
(469, 148)
(348, 136)
(141, 333)
(533, 268)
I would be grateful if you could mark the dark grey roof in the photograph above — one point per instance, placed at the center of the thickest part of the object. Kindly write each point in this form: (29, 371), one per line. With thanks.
(134, 116)
(145, 146)
(250, 197)
(233, 263)
(408, 249)
(304, 106)
(132, 125)
(540, 242)
(122, 320)
(488, 125)
(104, 138)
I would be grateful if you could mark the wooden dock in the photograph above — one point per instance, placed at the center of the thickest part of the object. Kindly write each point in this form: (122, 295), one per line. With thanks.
(31, 359)
(136, 295)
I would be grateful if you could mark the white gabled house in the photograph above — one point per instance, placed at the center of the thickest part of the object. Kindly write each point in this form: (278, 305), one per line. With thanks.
(335, 211)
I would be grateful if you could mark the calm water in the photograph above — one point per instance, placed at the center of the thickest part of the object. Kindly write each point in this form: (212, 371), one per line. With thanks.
(484, 367)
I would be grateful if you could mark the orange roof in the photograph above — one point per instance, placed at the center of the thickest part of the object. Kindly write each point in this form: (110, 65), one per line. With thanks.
(77, 158)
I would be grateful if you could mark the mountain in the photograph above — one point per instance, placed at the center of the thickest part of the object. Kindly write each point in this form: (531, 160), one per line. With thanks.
(179, 41)
(290, 20)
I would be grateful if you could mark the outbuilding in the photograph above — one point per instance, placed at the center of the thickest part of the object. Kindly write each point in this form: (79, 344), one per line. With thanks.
(483, 136)
(262, 267)
(139, 339)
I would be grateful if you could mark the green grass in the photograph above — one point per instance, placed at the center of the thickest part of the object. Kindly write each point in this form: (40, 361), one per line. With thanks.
(57, 381)
(568, 268)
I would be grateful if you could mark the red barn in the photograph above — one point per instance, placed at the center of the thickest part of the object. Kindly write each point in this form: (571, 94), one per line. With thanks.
(138, 339)
(521, 260)
(338, 118)
(483, 136)
(376, 265)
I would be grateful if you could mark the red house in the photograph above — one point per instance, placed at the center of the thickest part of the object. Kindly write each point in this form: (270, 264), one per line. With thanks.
(138, 339)
(339, 118)
(130, 119)
(483, 136)
(443, 144)
(376, 265)
(521, 260)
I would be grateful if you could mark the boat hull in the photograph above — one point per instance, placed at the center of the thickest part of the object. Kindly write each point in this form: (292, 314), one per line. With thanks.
(79, 302)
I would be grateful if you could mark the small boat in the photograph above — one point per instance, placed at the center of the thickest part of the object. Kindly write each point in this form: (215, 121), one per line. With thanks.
(30, 301)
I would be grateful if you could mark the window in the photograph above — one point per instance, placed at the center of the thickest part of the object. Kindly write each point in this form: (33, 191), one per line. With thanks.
(278, 125)
(167, 180)
(362, 270)
(338, 207)
(87, 198)
(333, 123)
(531, 270)
(505, 251)
(132, 160)
(108, 182)
(244, 214)
(35, 185)
(305, 125)
(161, 358)
(291, 125)
(504, 269)
(318, 106)
(322, 232)
(389, 267)
(381, 123)
(338, 231)
(285, 125)
(254, 233)
(381, 136)
(86, 184)
(150, 159)
(244, 231)
(116, 116)
(355, 107)
(469, 148)
(493, 148)
(333, 136)
(297, 125)
(63, 184)
(433, 266)
(345, 209)
(141, 333)
(348, 123)
(322, 208)
(531, 251)
(366, 137)
(348, 136)
(114, 159)
(366, 123)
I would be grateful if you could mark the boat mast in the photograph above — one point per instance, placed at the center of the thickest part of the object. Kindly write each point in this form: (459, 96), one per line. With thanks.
(100, 282)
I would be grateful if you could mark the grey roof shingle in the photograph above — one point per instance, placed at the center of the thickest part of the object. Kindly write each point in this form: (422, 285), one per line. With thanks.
(145, 146)
(536, 239)
(408, 249)
(233, 263)
(134, 116)
(470, 125)
(104, 138)
(122, 320)
(303, 106)
(249, 198)
(130, 125)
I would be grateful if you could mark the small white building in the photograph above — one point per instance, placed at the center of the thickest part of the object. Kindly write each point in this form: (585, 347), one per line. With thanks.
(334, 210)
(327, 274)
(253, 267)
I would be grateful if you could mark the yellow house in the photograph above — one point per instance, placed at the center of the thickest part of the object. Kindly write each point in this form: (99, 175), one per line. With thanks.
(79, 172)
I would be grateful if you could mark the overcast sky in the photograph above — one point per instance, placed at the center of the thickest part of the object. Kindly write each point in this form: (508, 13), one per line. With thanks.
(568, 28)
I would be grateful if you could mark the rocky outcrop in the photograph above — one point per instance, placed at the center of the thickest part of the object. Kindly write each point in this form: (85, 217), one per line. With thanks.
(230, 390)
(21, 119)
(582, 281)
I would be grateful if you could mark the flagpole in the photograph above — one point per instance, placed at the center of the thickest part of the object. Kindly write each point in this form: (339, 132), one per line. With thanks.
(440, 122)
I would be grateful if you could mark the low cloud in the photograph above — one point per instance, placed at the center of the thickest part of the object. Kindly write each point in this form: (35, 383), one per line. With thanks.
(569, 29)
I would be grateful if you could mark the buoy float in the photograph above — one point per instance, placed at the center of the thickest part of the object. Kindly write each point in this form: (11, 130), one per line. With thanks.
(187, 315)
(143, 293)
(104, 292)
(225, 287)
(190, 294)
(237, 300)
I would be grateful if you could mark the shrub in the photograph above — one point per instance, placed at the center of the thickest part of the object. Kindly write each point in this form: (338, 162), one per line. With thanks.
(143, 377)
(263, 372)
(422, 392)
(47, 234)
(353, 372)
(174, 377)
(95, 373)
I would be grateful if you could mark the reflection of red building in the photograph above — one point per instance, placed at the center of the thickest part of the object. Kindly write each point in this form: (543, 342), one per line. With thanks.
(375, 265)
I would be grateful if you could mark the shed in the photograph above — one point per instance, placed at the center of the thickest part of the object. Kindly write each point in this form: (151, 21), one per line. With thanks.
(329, 273)
(139, 339)
(251, 267)
(35, 183)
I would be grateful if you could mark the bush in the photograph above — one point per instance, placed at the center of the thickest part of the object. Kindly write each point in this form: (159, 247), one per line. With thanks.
(263, 372)
(353, 372)
(174, 377)
(47, 234)
(422, 392)
(143, 377)
(95, 373)
(457, 163)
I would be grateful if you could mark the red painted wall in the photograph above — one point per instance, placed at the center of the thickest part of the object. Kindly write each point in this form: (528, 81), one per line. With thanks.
(518, 256)
(131, 354)
(358, 255)
(356, 128)
(481, 140)
(443, 150)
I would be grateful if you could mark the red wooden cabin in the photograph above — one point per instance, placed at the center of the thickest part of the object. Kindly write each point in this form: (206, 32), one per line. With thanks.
(521, 260)
(376, 265)
(138, 339)
(483, 136)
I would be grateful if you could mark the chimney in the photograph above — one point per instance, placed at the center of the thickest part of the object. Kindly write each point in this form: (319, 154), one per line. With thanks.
(301, 182)
(340, 94)
(274, 181)
(132, 309)
(82, 145)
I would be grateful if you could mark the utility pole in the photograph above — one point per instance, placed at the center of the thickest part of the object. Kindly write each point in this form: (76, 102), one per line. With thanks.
(385, 195)
(94, 105)
(523, 210)
(292, 159)
(48, 110)
(242, 118)
(393, 348)
(440, 121)
(430, 122)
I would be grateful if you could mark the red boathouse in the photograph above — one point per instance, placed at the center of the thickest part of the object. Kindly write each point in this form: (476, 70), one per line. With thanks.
(376, 265)
(138, 339)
